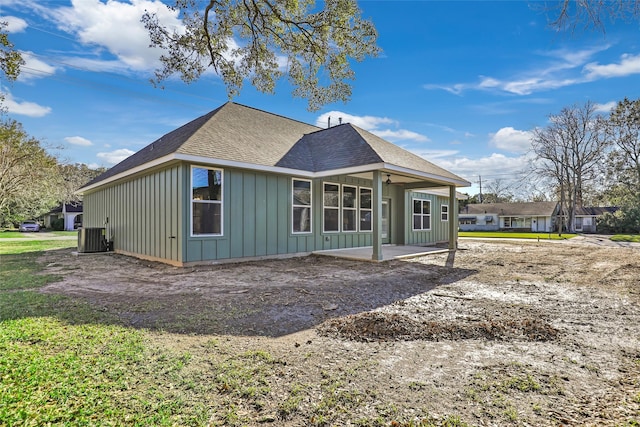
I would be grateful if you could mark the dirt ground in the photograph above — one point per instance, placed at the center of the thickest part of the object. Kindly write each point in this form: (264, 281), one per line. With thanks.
(498, 333)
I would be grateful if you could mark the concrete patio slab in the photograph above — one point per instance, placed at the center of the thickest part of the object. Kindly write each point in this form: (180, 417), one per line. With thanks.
(389, 252)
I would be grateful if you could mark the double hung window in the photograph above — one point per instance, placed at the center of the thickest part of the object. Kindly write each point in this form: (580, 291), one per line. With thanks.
(421, 214)
(444, 213)
(206, 201)
(331, 207)
(301, 206)
(349, 208)
(366, 210)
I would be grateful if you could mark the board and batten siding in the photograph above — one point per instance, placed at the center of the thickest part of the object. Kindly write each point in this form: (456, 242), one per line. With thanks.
(257, 209)
(143, 214)
(439, 229)
(256, 220)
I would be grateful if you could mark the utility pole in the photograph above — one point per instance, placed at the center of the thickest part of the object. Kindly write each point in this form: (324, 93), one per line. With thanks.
(480, 182)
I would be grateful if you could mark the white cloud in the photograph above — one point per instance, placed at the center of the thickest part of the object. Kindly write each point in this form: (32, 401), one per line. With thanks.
(24, 108)
(606, 107)
(562, 68)
(116, 26)
(512, 140)
(400, 135)
(115, 156)
(34, 68)
(373, 124)
(495, 164)
(628, 65)
(365, 122)
(14, 24)
(78, 140)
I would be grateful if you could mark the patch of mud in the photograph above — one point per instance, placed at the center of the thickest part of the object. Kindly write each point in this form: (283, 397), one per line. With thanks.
(379, 326)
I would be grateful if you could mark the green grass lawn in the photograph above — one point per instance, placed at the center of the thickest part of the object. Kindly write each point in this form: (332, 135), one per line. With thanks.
(10, 234)
(513, 235)
(635, 238)
(65, 233)
(29, 245)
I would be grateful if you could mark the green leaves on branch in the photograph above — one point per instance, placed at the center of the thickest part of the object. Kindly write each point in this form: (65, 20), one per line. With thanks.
(264, 40)
(10, 59)
(29, 176)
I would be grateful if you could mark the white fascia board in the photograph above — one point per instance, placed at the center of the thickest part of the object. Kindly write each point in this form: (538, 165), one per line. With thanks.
(274, 169)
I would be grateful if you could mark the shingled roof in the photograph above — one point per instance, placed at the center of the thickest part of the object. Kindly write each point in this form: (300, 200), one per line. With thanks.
(595, 210)
(238, 134)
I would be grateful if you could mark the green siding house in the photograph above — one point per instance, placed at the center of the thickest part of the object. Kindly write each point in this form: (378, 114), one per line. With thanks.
(240, 183)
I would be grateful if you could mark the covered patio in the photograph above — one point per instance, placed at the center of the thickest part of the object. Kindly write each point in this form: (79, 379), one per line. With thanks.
(389, 252)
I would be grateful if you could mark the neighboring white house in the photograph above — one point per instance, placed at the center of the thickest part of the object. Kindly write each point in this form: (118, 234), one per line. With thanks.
(71, 212)
(539, 217)
(528, 216)
(586, 217)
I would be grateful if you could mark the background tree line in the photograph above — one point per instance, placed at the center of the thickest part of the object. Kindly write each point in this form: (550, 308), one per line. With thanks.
(590, 159)
(32, 181)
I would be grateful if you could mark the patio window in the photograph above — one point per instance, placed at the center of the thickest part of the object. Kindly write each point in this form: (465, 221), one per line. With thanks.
(206, 201)
(349, 208)
(301, 206)
(366, 210)
(331, 207)
(444, 213)
(421, 214)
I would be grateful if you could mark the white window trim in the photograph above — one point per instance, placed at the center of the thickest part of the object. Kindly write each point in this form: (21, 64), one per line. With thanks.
(443, 212)
(293, 206)
(220, 202)
(354, 209)
(422, 201)
(339, 208)
(361, 209)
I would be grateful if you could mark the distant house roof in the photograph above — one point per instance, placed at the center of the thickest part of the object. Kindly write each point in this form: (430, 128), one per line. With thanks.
(512, 209)
(73, 207)
(595, 210)
(241, 136)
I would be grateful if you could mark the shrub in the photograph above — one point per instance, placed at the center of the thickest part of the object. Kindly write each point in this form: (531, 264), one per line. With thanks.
(58, 224)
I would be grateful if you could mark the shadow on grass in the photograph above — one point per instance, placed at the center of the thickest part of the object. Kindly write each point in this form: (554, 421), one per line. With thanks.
(265, 298)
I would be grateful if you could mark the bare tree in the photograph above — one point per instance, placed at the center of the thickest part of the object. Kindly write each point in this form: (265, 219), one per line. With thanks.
(574, 15)
(569, 152)
(316, 45)
(497, 191)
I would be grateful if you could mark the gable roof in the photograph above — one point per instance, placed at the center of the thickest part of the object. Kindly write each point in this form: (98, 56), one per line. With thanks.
(595, 210)
(513, 209)
(71, 207)
(347, 146)
(235, 134)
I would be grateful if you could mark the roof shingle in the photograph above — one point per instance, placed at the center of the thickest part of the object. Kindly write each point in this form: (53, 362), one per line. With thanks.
(237, 133)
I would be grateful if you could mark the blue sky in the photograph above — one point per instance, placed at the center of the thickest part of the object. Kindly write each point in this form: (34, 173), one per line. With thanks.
(462, 84)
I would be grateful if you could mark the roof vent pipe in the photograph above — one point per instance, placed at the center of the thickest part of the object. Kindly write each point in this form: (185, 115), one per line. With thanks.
(340, 120)
(328, 122)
